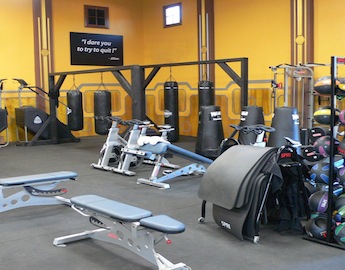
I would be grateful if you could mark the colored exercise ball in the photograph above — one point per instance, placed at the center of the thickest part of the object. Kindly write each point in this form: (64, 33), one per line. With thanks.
(323, 86)
(340, 178)
(339, 234)
(322, 145)
(317, 227)
(341, 147)
(340, 205)
(318, 201)
(323, 115)
(319, 173)
(342, 117)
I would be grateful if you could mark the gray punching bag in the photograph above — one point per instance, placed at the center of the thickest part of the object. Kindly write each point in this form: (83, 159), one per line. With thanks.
(171, 115)
(210, 132)
(286, 123)
(250, 115)
(75, 115)
(102, 109)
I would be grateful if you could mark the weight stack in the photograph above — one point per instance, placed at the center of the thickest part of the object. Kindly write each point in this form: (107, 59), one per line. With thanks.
(286, 123)
(171, 115)
(3, 119)
(210, 131)
(250, 115)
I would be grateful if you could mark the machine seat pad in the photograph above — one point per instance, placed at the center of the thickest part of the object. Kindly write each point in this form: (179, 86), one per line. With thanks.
(163, 223)
(159, 148)
(110, 208)
(38, 178)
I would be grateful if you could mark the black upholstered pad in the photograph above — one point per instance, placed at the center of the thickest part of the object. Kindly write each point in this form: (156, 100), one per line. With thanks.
(38, 178)
(225, 181)
(110, 208)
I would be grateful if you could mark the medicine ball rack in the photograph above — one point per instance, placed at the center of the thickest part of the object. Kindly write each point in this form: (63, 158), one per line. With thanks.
(335, 61)
(139, 82)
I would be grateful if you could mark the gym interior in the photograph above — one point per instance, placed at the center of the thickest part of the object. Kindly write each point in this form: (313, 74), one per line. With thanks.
(160, 134)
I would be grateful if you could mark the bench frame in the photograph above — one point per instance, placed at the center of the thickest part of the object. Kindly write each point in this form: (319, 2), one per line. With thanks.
(36, 190)
(129, 235)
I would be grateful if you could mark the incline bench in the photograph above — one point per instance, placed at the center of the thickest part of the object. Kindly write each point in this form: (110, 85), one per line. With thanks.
(130, 227)
(37, 190)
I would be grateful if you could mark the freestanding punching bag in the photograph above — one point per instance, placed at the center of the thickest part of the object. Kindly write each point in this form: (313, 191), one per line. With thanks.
(210, 132)
(75, 114)
(250, 115)
(286, 123)
(171, 115)
(206, 94)
(102, 108)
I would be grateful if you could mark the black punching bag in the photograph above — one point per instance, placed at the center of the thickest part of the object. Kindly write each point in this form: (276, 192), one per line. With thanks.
(3, 119)
(206, 94)
(250, 115)
(210, 132)
(171, 109)
(102, 109)
(286, 123)
(75, 114)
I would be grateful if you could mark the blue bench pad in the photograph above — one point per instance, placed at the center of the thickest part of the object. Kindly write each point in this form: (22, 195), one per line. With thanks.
(159, 148)
(163, 223)
(110, 208)
(37, 178)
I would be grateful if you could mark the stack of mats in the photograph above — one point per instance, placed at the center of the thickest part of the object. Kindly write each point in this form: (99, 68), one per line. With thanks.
(237, 184)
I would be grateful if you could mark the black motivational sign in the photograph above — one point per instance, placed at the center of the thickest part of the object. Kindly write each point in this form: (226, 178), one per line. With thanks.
(96, 49)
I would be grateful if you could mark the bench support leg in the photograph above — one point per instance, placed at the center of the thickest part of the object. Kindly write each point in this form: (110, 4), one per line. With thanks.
(194, 168)
(27, 198)
(139, 241)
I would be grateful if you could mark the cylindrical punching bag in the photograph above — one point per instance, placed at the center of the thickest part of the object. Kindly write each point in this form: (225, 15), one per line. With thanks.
(171, 115)
(206, 94)
(210, 132)
(286, 123)
(102, 109)
(250, 115)
(3, 119)
(75, 113)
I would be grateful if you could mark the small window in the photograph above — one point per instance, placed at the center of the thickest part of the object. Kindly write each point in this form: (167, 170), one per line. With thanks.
(172, 15)
(96, 17)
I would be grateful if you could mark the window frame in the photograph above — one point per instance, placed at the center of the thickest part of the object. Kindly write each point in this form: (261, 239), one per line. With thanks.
(87, 8)
(165, 8)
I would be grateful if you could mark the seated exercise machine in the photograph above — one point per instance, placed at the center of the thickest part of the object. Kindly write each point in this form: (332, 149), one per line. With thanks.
(133, 154)
(111, 149)
(130, 227)
(160, 148)
(37, 189)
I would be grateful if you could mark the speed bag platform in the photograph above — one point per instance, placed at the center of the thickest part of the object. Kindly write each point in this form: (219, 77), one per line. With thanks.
(237, 184)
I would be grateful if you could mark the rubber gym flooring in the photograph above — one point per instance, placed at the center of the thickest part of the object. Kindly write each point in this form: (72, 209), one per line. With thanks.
(26, 234)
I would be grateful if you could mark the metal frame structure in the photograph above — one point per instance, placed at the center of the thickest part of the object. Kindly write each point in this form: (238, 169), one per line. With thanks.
(139, 82)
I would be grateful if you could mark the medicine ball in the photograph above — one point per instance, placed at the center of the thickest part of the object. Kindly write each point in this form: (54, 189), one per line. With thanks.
(323, 115)
(323, 86)
(319, 173)
(342, 117)
(340, 205)
(323, 145)
(339, 234)
(317, 227)
(341, 147)
(318, 201)
(340, 178)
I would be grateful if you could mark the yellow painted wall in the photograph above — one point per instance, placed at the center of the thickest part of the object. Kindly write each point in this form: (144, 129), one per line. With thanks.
(259, 30)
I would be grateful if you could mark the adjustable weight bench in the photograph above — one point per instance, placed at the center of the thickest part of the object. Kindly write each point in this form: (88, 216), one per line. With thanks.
(128, 226)
(37, 190)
